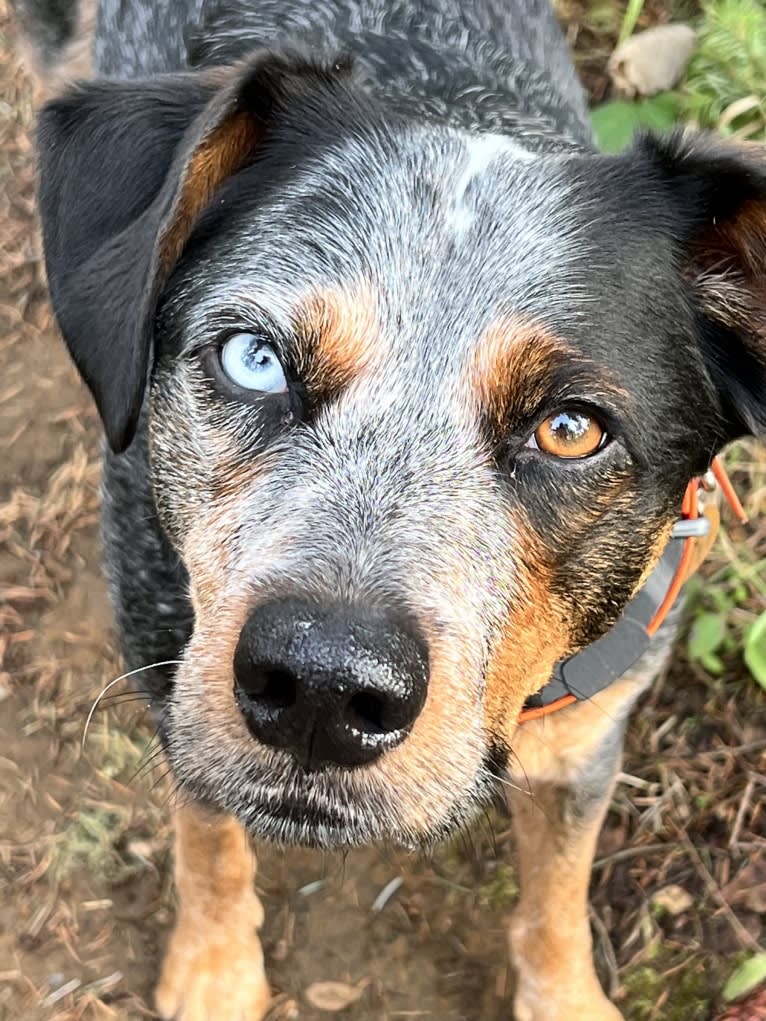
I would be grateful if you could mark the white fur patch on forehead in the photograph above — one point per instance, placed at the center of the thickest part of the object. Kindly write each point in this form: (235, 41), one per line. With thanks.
(479, 152)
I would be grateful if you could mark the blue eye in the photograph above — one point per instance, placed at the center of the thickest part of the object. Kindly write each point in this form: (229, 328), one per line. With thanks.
(252, 364)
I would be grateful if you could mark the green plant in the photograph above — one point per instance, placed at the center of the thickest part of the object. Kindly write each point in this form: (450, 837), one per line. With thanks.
(614, 123)
(755, 649)
(723, 622)
(750, 973)
(724, 84)
(629, 22)
(86, 842)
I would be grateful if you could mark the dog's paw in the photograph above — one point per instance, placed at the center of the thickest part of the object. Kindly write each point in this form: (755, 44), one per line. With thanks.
(213, 974)
(555, 977)
(589, 1007)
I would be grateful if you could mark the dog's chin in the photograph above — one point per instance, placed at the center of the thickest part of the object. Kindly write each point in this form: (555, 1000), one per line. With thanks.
(327, 809)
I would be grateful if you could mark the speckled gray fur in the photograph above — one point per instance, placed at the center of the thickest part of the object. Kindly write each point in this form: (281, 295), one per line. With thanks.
(492, 65)
(488, 65)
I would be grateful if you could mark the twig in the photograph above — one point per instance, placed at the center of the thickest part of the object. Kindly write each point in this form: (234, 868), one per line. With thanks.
(629, 852)
(715, 892)
(744, 805)
(611, 959)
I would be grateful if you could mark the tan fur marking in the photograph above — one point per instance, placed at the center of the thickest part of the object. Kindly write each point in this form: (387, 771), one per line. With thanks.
(222, 153)
(511, 364)
(552, 749)
(549, 933)
(727, 271)
(339, 333)
(533, 639)
(214, 963)
(445, 734)
(744, 236)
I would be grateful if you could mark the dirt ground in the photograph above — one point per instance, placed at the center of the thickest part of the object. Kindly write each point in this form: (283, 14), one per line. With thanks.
(679, 888)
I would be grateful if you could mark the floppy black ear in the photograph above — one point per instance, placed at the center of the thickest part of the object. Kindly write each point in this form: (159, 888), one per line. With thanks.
(125, 169)
(717, 193)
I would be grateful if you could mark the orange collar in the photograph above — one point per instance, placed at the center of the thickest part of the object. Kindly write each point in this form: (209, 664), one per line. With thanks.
(609, 657)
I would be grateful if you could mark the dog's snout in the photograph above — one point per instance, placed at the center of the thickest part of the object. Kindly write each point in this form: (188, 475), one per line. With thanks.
(332, 685)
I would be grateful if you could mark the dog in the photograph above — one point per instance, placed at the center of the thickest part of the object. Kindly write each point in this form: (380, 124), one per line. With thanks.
(405, 387)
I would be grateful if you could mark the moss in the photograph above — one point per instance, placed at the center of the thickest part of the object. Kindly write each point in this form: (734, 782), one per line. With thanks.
(689, 991)
(501, 889)
(87, 842)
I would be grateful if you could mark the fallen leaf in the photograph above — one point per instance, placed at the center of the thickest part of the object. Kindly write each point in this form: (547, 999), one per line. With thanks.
(747, 979)
(672, 899)
(334, 996)
(652, 61)
(748, 888)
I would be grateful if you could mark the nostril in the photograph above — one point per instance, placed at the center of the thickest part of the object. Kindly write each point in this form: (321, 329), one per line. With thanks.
(272, 687)
(366, 712)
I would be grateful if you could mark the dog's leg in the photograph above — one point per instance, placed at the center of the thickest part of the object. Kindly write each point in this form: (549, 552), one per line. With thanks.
(568, 762)
(213, 969)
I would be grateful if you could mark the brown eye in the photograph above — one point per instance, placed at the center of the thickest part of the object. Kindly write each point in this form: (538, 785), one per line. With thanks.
(569, 434)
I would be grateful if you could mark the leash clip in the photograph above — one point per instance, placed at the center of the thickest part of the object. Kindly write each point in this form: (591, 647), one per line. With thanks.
(691, 528)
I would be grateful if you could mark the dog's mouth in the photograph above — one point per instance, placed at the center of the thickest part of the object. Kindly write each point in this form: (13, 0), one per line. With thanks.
(281, 803)
(311, 821)
(312, 811)
(376, 765)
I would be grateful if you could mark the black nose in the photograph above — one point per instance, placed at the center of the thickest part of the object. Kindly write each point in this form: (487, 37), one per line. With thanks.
(329, 684)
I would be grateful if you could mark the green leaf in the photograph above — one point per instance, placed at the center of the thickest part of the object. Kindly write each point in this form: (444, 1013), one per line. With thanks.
(713, 664)
(615, 122)
(747, 977)
(755, 650)
(707, 634)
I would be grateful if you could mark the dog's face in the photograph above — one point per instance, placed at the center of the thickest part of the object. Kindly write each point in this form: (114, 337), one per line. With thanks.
(422, 410)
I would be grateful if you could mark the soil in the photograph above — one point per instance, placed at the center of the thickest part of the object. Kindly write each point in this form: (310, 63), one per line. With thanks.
(85, 847)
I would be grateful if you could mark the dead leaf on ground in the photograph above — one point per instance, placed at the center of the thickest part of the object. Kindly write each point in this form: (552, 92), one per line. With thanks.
(748, 888)
(334, 996)
(652, 61)
(751, 1009)
(673, 899)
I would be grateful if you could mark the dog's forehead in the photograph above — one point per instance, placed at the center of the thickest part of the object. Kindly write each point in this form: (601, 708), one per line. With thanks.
(441, 235)
(447, 230)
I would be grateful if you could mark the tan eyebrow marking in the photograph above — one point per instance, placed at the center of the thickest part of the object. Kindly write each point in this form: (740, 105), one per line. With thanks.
(514, 362)
(511, 364)
(338, 338)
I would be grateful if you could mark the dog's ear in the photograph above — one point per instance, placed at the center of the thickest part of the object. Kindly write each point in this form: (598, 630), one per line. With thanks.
(125, 169)
(715, 194)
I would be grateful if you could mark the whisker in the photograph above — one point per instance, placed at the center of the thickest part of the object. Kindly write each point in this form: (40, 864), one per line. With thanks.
(528, 789)
(123, 697)
(153, 752)
(148, 760)
(122, 677)
(510, 784)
